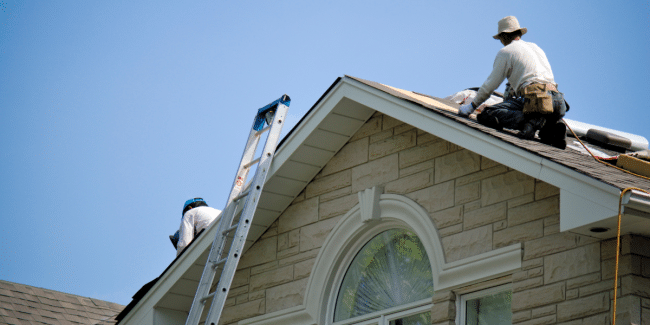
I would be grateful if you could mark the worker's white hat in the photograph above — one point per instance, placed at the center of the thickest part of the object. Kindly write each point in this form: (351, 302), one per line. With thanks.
(508, 25)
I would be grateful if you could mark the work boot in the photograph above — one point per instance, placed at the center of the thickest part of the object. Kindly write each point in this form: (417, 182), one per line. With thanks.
(554, 135)
(531, 125)
(489, 121)
(528, 132)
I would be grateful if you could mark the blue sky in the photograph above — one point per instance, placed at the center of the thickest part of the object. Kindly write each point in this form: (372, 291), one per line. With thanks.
(112, 114)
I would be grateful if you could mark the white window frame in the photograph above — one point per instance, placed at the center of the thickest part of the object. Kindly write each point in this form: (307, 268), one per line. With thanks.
(462, 302)
(383, 317)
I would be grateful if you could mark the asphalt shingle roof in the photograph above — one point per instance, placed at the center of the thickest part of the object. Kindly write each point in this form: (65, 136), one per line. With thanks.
(23, 304)
(570, 158)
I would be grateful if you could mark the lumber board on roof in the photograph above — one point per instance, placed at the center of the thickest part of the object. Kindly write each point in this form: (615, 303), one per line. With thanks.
(425, 99)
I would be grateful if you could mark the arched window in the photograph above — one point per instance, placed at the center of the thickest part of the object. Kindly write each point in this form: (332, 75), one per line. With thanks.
(389, 280)
(354, 262)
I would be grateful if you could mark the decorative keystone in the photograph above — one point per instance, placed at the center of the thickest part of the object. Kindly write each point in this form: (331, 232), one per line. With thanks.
(369, 203)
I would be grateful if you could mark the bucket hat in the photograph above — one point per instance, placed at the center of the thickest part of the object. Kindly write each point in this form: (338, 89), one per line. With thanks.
(508, 25)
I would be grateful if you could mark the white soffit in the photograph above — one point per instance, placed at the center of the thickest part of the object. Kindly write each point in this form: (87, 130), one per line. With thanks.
(312, 143)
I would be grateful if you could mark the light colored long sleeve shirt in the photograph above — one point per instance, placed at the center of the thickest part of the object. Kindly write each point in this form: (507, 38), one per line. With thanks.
(194, 221)
(522, 63)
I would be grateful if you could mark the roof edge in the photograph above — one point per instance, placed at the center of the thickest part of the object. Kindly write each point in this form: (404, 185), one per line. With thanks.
(636, 200)
(479, 142)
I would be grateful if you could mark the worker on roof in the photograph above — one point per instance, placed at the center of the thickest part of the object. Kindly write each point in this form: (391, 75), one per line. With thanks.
(196, 216)
(531, 101)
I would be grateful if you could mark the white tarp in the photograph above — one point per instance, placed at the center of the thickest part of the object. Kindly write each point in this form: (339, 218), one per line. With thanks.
(467, 96)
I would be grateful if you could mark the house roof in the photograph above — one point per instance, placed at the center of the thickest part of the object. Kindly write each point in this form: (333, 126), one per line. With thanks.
(23, 304)
(339, 114)
(570, 158)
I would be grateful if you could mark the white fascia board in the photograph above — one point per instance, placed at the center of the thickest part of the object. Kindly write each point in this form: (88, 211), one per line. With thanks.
(577, 211)
(582, 186)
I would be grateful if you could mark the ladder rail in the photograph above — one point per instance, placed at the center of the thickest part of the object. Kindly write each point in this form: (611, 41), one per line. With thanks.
(246, 162)
(242, 171)
(225, 221)
(251, 196)
(245, 221)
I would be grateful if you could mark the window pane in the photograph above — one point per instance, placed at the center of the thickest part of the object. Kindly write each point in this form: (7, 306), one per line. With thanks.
(490, 310)
(392, 269)
(419, 319)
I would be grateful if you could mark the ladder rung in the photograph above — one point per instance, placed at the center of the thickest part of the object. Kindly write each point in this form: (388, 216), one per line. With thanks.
(230, 229)
(240, 196)
(252, 163)
(207, 297)
(219, 262)
(262, 130)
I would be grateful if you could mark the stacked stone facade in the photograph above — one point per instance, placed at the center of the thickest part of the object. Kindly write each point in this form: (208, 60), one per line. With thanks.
(476, 204)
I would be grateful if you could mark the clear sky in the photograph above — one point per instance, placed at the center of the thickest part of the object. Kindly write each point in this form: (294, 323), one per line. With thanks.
(113, 113)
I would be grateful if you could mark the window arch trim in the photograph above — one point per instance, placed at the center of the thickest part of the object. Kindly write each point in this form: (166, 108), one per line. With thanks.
(395, 211)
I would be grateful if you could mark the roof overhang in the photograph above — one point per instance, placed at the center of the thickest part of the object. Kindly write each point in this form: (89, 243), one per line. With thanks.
(585, 203)
(326, 128)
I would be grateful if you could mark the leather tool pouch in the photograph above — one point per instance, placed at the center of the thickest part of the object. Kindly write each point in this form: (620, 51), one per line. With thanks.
(538, 99)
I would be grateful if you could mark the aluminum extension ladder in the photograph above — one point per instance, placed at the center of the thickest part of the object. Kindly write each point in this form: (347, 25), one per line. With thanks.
(273, 115)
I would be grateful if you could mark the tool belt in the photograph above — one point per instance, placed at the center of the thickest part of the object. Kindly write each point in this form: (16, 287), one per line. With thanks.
(538, 98)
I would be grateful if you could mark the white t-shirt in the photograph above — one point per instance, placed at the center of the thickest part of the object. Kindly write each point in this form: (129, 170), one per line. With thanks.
(194, 221)
(522, 63)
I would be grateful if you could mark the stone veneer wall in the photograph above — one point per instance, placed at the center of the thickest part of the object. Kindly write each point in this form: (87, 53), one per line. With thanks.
(476, 204)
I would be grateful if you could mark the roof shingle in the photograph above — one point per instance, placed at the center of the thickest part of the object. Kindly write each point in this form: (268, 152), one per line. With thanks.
(22, 304)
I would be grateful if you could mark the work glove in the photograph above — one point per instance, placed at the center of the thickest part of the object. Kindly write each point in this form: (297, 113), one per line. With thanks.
(465, 110)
